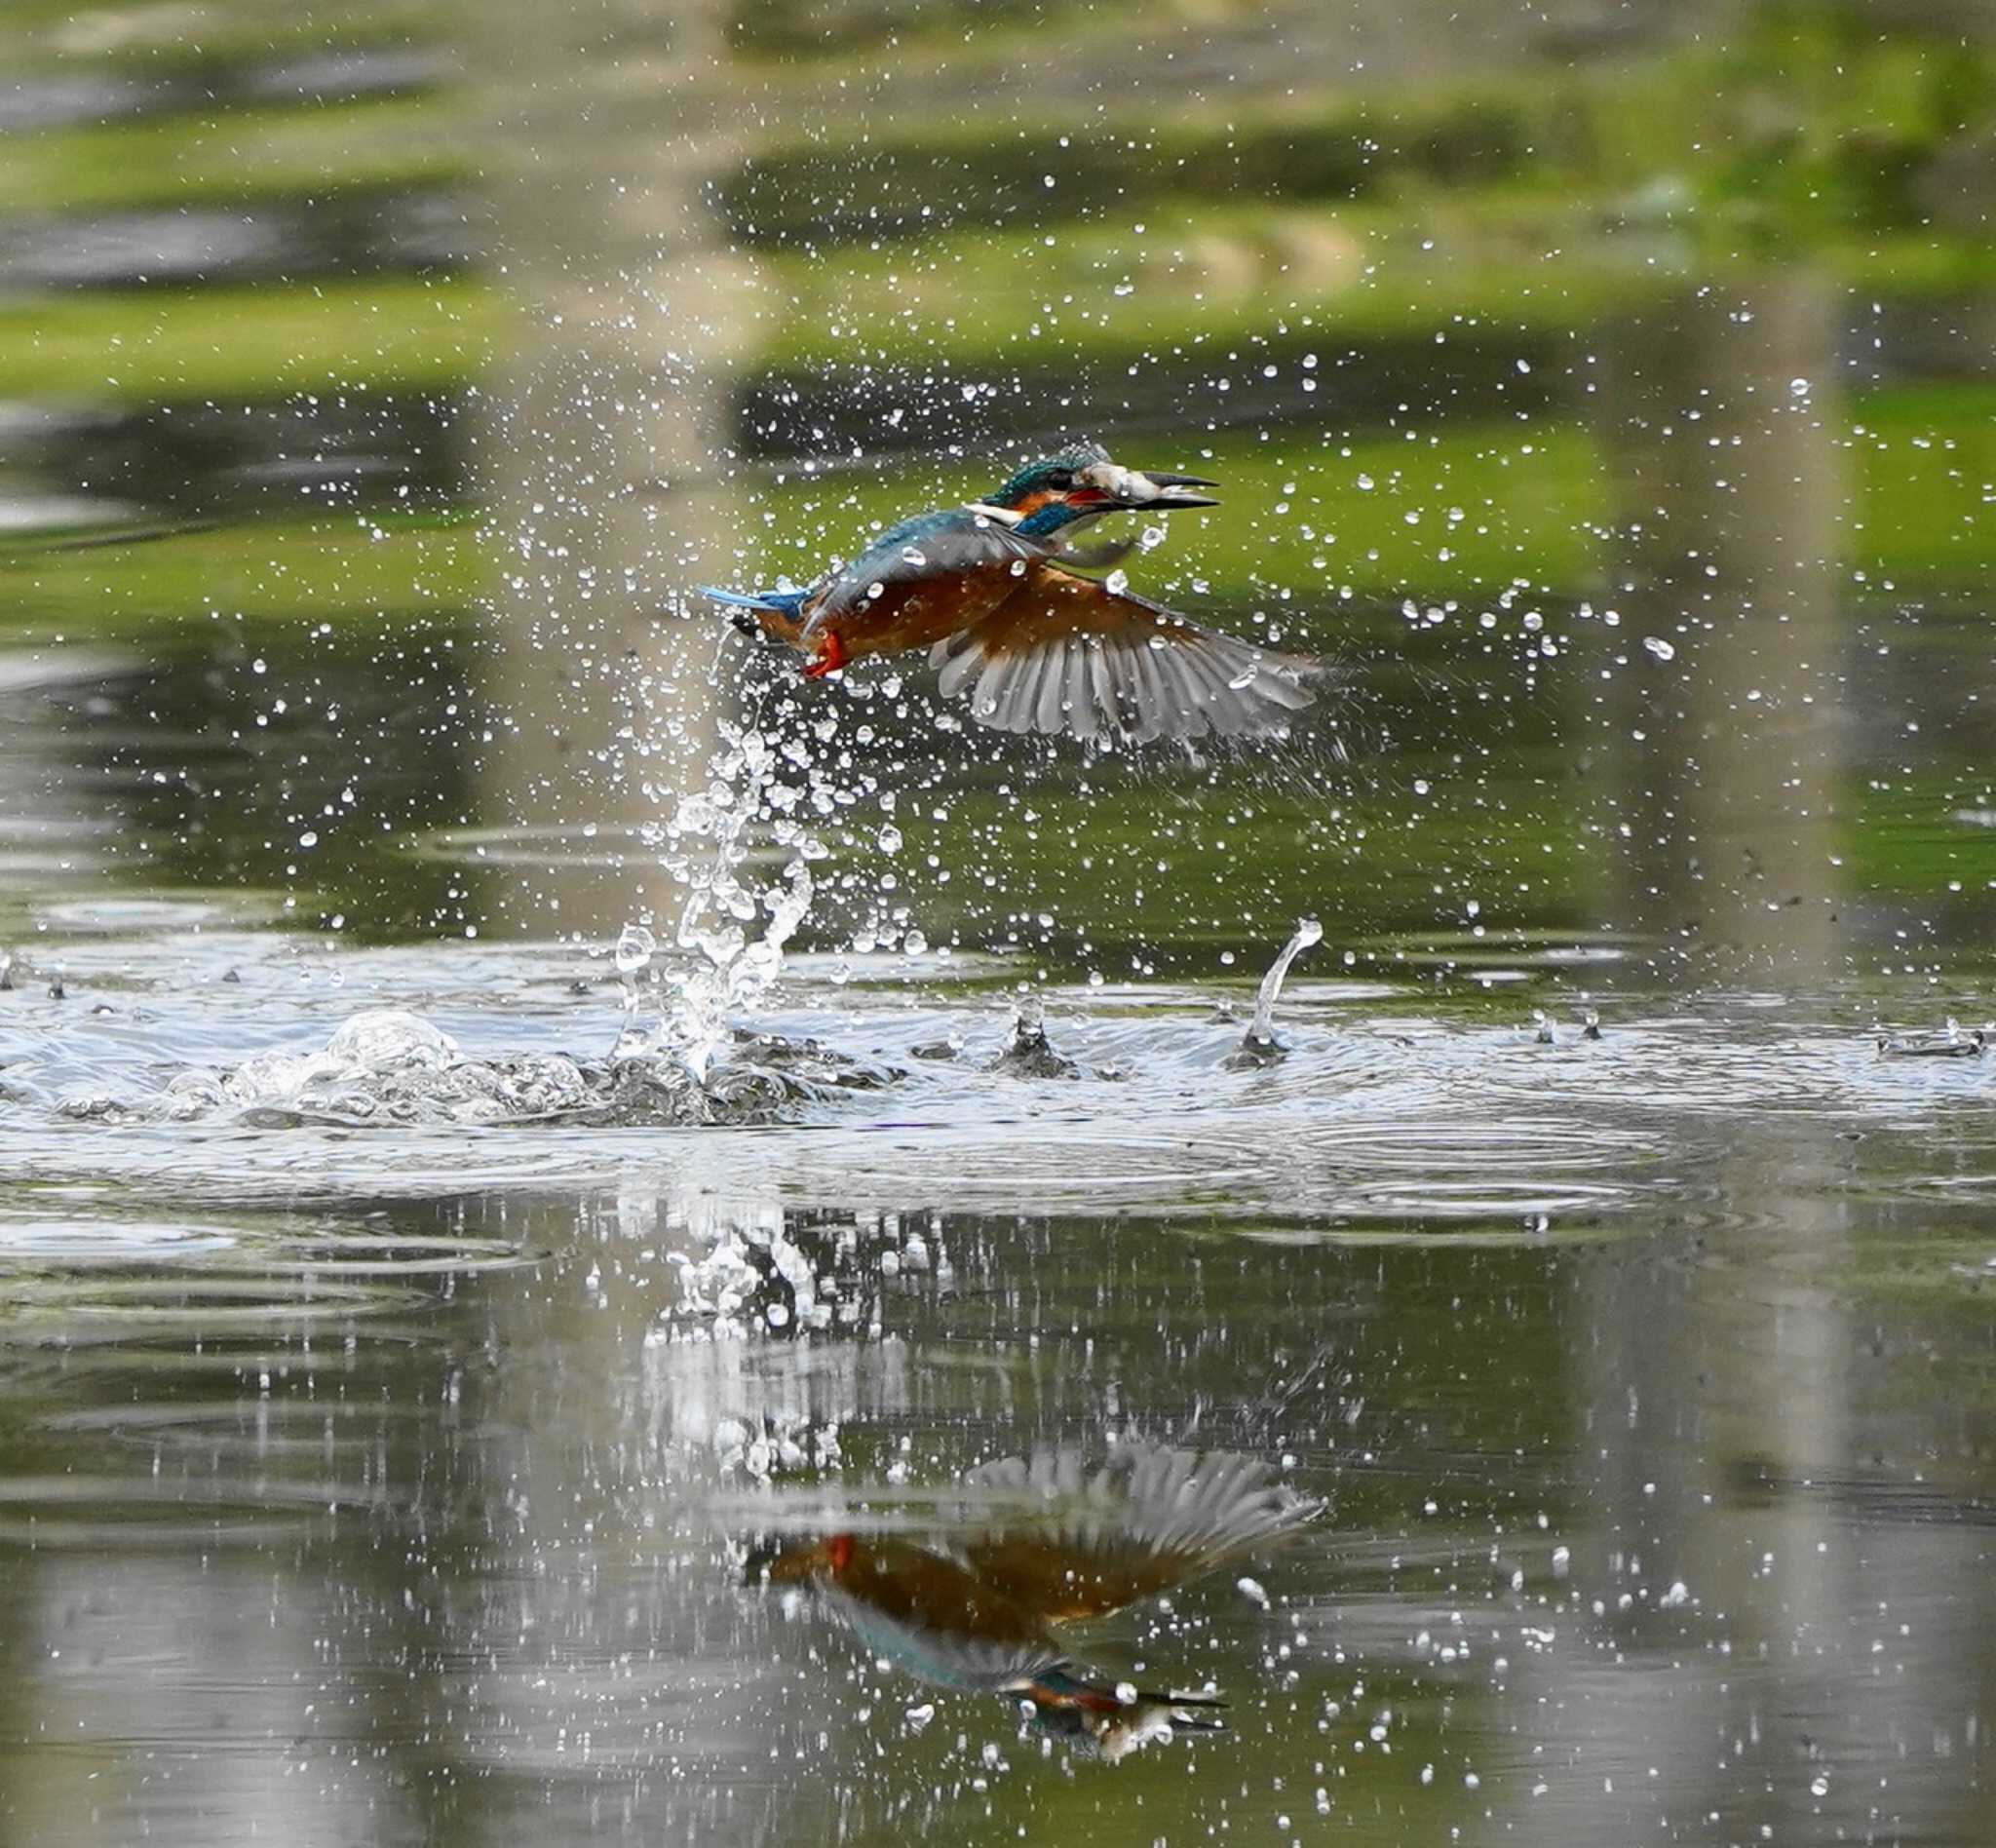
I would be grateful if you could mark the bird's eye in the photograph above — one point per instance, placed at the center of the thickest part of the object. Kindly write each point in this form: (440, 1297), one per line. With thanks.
(1060, 478)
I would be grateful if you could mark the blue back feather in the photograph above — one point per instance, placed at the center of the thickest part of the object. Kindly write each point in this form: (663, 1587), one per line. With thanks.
(780, 602)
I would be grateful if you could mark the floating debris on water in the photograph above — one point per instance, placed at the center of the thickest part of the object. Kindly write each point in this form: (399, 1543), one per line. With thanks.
(1258, 1045)
(764, 1080)
(1028, 1054)
(1949, 1043)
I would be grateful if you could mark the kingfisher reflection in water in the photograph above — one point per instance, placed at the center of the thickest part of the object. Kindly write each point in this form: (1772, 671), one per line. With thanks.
(1046, 1542)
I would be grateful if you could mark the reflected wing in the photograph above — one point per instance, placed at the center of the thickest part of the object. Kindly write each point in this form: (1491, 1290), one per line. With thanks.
(1070, 654)
(1096, 1540)
(936, 1617)
(955, 1658)
(941, 545)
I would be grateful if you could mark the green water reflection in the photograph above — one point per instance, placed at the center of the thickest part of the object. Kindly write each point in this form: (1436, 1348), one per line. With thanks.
(455, 1554)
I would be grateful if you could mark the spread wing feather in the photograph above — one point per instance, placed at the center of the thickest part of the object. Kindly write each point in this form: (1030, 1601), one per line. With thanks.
(1083, 1542)
(950, 1655)
(1068, 654)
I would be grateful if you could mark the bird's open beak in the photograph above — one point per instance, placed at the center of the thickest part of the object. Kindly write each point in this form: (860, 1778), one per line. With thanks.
(1171, 491)
(1112, 489)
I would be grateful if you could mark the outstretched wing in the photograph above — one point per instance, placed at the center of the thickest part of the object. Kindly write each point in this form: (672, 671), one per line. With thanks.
(1071, 654)
(1090, 1541)
(935, 1617)
(943, 546)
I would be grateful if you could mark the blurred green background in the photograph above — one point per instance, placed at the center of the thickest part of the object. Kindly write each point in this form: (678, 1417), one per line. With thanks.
(373, 387)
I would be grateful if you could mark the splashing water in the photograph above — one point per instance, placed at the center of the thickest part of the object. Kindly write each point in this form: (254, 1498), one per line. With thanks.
(1028, 1053)
(1308, 930)
(386, 1067)
(1259, 1044)
(1949, 1043)
(709, 843)
(636, 949)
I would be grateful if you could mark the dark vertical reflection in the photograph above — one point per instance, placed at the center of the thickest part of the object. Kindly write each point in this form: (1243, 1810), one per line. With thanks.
(1720, 416)
(600, 455)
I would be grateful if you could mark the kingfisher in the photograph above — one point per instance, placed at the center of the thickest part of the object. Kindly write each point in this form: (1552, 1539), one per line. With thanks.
(991, 589)
(1046, 1542)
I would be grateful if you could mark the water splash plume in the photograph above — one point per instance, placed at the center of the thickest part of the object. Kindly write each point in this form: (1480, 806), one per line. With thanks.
(1258, 1045)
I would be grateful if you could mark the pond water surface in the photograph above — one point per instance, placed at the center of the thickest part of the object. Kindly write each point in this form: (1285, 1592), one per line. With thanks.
(383, 1452)
(521, 1121)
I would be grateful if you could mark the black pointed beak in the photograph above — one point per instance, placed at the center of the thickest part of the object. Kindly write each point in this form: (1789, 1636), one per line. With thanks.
(1172, 490)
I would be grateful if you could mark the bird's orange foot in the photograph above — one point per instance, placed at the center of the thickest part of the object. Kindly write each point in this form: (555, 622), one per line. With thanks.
(830, 657)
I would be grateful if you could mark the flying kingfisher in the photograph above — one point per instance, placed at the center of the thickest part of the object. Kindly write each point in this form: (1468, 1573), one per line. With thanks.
(990, 589)
(1044, 1542)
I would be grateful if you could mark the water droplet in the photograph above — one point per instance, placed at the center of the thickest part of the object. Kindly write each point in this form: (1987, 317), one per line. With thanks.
(636, 949)
(1657, 646)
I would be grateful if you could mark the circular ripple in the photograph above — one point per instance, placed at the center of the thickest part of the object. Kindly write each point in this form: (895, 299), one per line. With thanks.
(1491, 954)
(123, 1511)
(1485, 1198)
(92, 1306)
(116, 917)
(368, 1254)
(1502, 1233)
(319, 1428)
(1538, 1145)
(88, 1241)
(1035, 1160)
